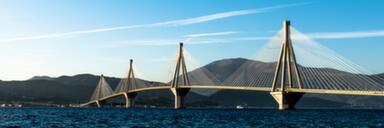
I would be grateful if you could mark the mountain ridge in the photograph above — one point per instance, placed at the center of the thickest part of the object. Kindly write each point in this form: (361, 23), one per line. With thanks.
(79, 88)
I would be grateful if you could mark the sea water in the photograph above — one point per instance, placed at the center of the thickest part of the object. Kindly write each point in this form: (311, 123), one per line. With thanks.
(119, 117)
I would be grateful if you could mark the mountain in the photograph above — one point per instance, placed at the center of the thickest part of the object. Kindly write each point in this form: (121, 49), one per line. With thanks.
(378, 76)
(218, 72)
(72, 90)
(65, 89)
(41, 78)
(79, 88)
(223, 69)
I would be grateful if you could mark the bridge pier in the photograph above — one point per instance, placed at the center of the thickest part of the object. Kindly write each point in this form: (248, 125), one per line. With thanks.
(98, 104)
(129, 99)
(286, 101)
(179, 94)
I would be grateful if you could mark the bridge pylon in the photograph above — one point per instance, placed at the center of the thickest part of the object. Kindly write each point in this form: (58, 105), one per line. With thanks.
(286, 74)
(180, 78)
(102, 89)
(129, 82)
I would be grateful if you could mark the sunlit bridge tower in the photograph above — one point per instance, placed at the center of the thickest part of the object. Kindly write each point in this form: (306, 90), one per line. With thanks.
(128, 84)
(180, 78)
(287, 74)
(102, 90)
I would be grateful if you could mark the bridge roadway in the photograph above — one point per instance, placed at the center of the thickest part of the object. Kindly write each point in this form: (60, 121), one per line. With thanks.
(223, 87)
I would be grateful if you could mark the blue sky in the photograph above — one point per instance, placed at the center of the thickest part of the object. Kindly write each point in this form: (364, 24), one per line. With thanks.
(55, 38)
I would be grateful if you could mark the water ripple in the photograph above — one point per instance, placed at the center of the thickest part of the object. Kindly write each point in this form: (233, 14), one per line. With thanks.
(138, 118)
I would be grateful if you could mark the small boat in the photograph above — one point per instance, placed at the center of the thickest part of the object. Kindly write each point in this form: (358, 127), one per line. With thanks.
(239, 107)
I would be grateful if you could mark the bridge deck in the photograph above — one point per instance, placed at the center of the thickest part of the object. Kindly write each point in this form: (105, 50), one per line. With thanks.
(340, 92)
(314, 91)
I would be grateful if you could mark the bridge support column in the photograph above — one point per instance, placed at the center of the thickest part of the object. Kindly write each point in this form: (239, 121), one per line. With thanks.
(98, 104)
(129, 99)
(179, 94)
(286, 101)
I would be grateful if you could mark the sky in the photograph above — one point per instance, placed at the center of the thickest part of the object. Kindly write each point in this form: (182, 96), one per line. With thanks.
(69, 37)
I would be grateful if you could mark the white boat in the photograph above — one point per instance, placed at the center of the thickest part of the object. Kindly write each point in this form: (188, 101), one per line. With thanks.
(239, 107)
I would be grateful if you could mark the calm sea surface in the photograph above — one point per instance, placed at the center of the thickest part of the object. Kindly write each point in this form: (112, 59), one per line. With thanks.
(92, 117)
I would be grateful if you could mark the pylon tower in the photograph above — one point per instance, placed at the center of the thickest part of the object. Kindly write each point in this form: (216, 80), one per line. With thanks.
(180, 78)
(130, 83)
(286, 73)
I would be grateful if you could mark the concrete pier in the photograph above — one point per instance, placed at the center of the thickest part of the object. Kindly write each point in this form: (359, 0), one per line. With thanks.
(287, 101)
(129, 99)
(179, 94)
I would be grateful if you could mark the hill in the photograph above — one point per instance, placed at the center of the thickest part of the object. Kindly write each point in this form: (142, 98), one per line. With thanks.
(223, 69)
(79, 88)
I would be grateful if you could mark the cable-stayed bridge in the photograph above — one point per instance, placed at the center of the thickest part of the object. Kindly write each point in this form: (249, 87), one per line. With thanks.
(289, 66)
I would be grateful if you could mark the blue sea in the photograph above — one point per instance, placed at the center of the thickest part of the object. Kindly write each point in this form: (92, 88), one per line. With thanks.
(211, 118)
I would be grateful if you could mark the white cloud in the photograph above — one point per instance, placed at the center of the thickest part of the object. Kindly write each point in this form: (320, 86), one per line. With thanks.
(154, 42)
(181, 22)
(226, 15)
(326, 35)
(346, 35)
(211, 34)
(210, 38)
